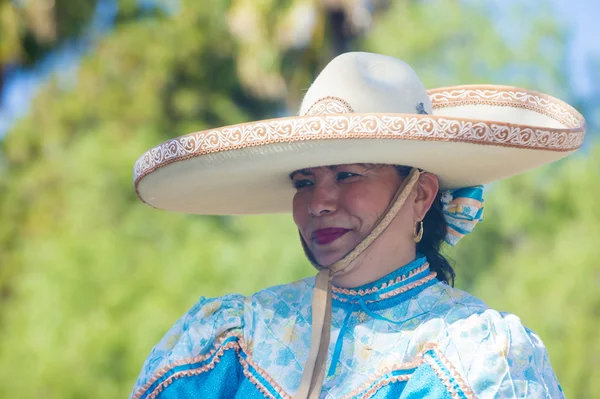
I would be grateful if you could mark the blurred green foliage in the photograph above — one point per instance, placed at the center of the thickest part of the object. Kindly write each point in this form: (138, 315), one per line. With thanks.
(29, 29)
(91, 278)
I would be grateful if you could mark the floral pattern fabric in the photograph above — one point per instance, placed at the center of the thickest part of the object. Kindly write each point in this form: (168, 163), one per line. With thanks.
(407, 323)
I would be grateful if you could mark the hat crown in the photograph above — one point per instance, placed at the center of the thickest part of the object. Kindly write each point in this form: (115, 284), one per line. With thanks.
(366, 83)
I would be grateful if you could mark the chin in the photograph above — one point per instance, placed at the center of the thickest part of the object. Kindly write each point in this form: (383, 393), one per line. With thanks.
(329, 258)
(331, 253)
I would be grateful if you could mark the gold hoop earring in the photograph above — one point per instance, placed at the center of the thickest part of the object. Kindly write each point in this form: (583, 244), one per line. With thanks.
(418, 236)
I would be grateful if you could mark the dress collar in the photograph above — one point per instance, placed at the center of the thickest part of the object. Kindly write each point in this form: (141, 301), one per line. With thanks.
(397, 284)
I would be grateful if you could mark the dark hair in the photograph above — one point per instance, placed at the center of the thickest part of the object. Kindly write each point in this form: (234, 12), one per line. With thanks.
(434, 232)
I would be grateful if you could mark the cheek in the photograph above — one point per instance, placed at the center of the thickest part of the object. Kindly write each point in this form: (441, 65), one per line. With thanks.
(299, 210)
(404, 222)
(366, 204)
(404, 218)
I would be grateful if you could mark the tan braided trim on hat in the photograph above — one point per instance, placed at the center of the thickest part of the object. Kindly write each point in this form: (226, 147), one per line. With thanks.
(314, 368)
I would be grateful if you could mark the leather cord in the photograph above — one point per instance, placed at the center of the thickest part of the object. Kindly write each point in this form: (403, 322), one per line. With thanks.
(314, 368)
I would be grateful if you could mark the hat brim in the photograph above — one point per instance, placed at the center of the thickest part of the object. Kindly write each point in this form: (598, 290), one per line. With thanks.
(476, 135)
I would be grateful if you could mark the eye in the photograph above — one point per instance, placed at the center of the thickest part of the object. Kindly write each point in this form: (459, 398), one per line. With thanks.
(301, 183)
(346, 175)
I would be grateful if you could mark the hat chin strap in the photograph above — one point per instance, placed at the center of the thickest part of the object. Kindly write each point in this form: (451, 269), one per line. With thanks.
(314, 368)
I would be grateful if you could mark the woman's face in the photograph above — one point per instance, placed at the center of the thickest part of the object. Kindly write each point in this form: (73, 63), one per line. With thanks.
(336, 207)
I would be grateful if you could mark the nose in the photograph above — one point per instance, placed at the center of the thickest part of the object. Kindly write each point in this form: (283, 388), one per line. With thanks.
(324, 200)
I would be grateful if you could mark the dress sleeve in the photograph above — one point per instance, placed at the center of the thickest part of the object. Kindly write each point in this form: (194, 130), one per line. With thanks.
(197, 354)
(488, 355)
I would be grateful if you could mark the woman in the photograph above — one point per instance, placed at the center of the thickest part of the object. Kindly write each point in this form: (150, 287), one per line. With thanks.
(381, 172)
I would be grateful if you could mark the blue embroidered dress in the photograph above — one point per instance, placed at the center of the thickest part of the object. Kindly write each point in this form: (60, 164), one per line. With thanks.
(405, 336)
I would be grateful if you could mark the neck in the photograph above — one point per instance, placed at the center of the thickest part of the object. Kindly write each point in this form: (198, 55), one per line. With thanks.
(369, 267)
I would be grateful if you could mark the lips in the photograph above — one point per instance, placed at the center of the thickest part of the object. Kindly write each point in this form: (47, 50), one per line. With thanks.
(328, 235)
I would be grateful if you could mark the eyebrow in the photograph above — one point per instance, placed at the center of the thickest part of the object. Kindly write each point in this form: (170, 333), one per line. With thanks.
(303, 172)
(307, 172)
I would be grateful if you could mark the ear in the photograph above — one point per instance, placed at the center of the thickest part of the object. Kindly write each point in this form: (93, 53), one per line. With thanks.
(427, 190)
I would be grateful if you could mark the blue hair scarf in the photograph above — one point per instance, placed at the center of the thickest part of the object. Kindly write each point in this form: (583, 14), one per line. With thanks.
(463, 209)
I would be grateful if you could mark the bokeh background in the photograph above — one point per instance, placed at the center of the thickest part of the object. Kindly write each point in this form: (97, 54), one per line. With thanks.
(90, 278)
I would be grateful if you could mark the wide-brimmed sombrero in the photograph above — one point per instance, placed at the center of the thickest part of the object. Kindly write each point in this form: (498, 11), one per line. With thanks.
(362, 108)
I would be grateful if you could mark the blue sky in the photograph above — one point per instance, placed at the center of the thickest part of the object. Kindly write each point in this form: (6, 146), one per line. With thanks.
(581, 17)
(21, 85)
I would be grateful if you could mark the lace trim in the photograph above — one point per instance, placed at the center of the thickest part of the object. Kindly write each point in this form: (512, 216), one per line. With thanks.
(436, 360)
(369, 388)
(257, 383)
(442, 361)
(248, 361)
(397, 280)
(216, 353)
(408, 287)
(395, 292)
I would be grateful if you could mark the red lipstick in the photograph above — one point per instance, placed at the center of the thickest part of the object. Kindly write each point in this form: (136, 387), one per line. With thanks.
(325, 236)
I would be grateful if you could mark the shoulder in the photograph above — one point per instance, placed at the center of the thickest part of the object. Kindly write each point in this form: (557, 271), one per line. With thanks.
(493, 352)
(231, 320)
(294, 295)
(449, 304)
(210, 323)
